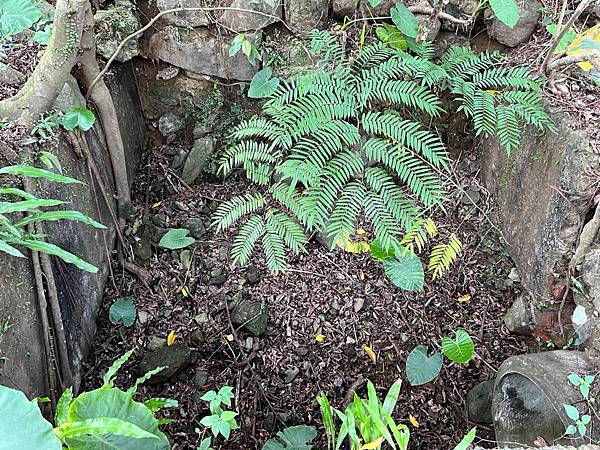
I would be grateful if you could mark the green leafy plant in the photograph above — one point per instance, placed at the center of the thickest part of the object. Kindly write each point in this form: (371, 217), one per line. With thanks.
(46, 126)
(292, 438)
(103, 418)
(584, 383)
(248, 48)
(81, 118)
(220, 421)
(581, 422)
(17, 16)
(176, 238)
(467, 440)
(122, 310)
(507, 11)
(263, 84)
(13, 225)
(421, 368)
(365, 423)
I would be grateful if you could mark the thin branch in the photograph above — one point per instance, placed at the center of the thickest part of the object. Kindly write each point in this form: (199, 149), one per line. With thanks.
(582, 7)
(170, 11)
(592, 55)
(418, 9)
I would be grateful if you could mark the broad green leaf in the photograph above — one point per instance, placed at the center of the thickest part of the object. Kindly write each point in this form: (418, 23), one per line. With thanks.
(61, 415)
(60, 215)
(114, 403)
(43, 36)
(157, 403)
(114, 368)
(374, 3)
(27, 205)
(392, 396)
(34, 172)
(390, 35)
(379, 252)
(51, 249)
(22, 425)
(263, 84)
(572, 412)
(17, 16)
(18, 193)
(405, 271)
(405, 21)
(4, 247)
(571, 429)
(420, 368)
(103, 425)
(81, 118)
(574, 379)
(176, 238)
(507, 11)
(460, 349)
(123, 310)
(467, 440)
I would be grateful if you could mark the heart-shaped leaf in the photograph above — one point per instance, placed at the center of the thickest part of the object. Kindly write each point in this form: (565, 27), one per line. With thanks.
(263, 84)
(78, 118)
(17, 16)
(176, 238)
(405, 20)
(123, 310)
(507, 11)
(405, 271)
(420, 368)
(460, 349)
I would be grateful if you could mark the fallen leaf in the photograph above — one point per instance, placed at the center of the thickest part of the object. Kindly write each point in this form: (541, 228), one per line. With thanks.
(492, 91)
(185, 292)
(319, 338)
(156, 205)
(229, 337)
(540, 442)
(369, 351)
(361, 232)
(464, 298)
(372, 445)
(413, 421)
(171, 338)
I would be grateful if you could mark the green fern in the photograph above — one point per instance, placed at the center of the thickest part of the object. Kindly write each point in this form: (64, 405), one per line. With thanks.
(443, 255)
(342, 142)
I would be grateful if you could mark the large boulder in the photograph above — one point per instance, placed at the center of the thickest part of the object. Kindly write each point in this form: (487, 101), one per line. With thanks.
(247, 21)
(539, 218)
(529, 16)
(183, 18)
(114, 24)
(590, 275)
(197, 51)
(304, 15)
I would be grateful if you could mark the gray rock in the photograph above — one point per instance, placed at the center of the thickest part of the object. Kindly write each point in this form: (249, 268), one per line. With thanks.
(218, 276)
(519, 318)
(143, 316)
(344, 8)
(197, 159)
(201, 130)
(196, 227)
(70, 97)
(183, 18)
(9, 75)
(112, 26)
(479, 402)
(179, 158)
(530, 13)
(304, 15)
(470, 197)
(290, 374)
(253, 274)
(175, 357)
(435, 29)
(170, 123)
(540, 225)
(254, 316)
(197, 337)
(142, 250)
(156, 343)
(246, 21)
(200, 378)
(196, 50)
(590, 275)
(201, 318)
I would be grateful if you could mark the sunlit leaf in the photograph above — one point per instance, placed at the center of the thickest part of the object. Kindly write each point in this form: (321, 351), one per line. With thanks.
(369, 351)
(171, 338)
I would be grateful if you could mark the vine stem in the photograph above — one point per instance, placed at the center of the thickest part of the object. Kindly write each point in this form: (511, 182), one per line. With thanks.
(171, 11)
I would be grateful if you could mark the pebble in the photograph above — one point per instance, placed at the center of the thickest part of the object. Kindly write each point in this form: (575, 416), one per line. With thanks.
(200, 378)
(143, 316)
(290, 374)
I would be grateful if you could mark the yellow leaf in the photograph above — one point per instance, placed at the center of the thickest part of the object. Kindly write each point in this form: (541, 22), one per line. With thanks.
(361, 232)
(156, 205)
(353, 247)
(574, 47)
(369, 351)
(372, 445)
(229, 337)
(492, 91)
(171, 338)
(464, 298)
(319, 338)
(185, 292)
(413, 421)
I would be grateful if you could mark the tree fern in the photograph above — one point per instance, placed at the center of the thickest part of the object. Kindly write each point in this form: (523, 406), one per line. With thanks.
(443, 255)
(341, 142)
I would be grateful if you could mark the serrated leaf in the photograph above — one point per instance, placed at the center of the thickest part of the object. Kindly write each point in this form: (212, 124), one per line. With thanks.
(263, 84)
(507, 11)
(406, 272)
(123, 310)
(17, 16)
(81, 118)
(421, 368)
(405, 21)
(176, 238)
(460, 349)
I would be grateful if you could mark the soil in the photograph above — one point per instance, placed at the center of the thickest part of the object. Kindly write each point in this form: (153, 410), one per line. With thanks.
(343, 296)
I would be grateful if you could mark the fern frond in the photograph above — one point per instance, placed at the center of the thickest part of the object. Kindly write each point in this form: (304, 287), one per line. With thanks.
(372, 56)
(443, 255)
(273, 248)
(346, 210)
(506, 77)
(246, 150)
(408, 134)
(326, 45)
(232, 210)
(386, 227)
(246, 239)
(258, 172)
(290, 198)
(529, 107)
(509, 129)
(418, 234)
(484, 113)
(404, 92)
(293, 235)
(468, 66)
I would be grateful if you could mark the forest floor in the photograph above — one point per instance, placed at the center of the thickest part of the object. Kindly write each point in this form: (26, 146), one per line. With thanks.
(345, 297)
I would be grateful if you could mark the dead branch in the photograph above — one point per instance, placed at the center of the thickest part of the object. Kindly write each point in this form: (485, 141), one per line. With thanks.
(592, 55)
(420, 9)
